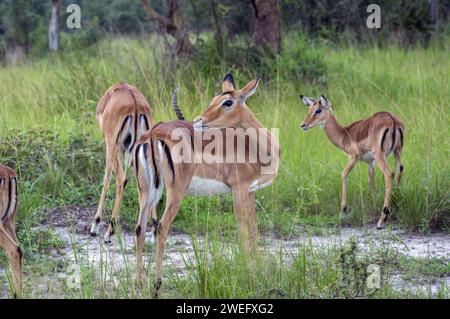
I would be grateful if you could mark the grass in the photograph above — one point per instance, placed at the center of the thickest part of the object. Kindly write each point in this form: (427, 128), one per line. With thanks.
(49, 135)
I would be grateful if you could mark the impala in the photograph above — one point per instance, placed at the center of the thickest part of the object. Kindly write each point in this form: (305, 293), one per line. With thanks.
(123, 114)
(157, 165)
(8, 238)
(370, 140)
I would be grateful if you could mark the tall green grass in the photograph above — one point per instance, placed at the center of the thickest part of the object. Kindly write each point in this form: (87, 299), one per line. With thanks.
(48, 129)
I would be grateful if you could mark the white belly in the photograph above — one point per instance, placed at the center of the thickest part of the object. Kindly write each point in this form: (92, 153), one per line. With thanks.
(257, 185)
(205, 186)
(368, 156)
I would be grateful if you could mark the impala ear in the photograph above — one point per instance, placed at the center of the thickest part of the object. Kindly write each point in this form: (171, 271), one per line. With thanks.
(250, 88)
(324, 102)
(306, 100)
(228, 83)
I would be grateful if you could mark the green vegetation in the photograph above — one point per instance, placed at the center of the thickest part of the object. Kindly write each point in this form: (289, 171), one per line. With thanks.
(49, 135)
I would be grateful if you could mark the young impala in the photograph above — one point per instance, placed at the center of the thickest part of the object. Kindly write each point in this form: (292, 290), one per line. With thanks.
(370, 140)
(8, 238)
(157, 165)
(123, 114)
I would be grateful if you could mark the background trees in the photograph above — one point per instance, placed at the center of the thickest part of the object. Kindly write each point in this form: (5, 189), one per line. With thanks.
(30, 27)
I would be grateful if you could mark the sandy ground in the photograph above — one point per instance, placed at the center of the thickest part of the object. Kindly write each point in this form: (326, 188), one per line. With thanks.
(71, 224)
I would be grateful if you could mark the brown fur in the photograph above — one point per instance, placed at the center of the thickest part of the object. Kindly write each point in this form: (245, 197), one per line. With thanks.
(370, 140)
(123, 114)
(8, 238)
(238, 176)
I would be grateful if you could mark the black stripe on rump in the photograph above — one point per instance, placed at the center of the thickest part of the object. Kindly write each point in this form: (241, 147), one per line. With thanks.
(121, 128)
(145, 120)
(393, 139)
(16, 196)
(169, 159)
(401, 137)
(384, 136)
(153, 162)
(136, 164)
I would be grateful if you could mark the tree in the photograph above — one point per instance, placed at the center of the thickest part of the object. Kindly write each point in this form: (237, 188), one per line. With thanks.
(53, 29)
(266, 24)
(174, 25)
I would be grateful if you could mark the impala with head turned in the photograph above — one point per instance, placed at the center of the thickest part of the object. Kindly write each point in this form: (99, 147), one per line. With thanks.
(157, 167)
(8, 238)
(123, 114)
(371, 140)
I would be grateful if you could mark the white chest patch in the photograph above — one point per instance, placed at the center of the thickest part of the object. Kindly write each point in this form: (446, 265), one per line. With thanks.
(205, 186)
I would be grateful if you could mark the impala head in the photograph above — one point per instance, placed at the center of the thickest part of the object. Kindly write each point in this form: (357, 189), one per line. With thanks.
(318, 112)
(228, 108)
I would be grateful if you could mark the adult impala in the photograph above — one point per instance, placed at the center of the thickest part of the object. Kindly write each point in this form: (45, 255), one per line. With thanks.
(370, 140)
(8, 238)
(123, 114)
(157, 166)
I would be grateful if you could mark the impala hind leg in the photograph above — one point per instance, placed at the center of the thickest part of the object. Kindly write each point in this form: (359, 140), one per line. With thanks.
(172, 206)
(141, 228)
(384, 166)
(371, 178)
(398, 165)
(120, 186)
(351, 163)
(106, 182)
(14, 255)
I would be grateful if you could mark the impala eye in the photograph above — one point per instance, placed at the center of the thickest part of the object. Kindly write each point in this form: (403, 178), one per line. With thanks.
(227, 103)
(318, 111)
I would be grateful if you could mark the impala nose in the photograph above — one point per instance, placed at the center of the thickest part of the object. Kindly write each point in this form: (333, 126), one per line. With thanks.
(303, 126)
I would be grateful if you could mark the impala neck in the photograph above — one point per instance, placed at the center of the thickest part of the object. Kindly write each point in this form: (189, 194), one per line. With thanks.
(250, 121)
(337, 134)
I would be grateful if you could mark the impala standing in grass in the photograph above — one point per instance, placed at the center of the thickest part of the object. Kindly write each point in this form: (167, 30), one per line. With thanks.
(158, 165)
(123, 114)
(371, 140)
(8, 238)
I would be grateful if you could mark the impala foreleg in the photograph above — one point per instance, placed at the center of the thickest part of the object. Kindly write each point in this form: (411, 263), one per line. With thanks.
(384, 166)
(244, 206)
(253, 223)
(345, 172)
(371, 177)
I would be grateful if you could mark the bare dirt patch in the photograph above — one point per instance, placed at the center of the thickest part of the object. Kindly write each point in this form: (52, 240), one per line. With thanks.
(72, 223)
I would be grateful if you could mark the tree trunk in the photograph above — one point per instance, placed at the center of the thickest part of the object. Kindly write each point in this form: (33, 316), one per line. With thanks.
(434, 9)
(266, 24)
(53, 30)
(183, 45)
(174, 26)
(218, 28)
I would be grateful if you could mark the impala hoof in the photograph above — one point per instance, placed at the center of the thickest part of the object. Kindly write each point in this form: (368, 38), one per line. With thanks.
(107, 239)
(94, 229)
